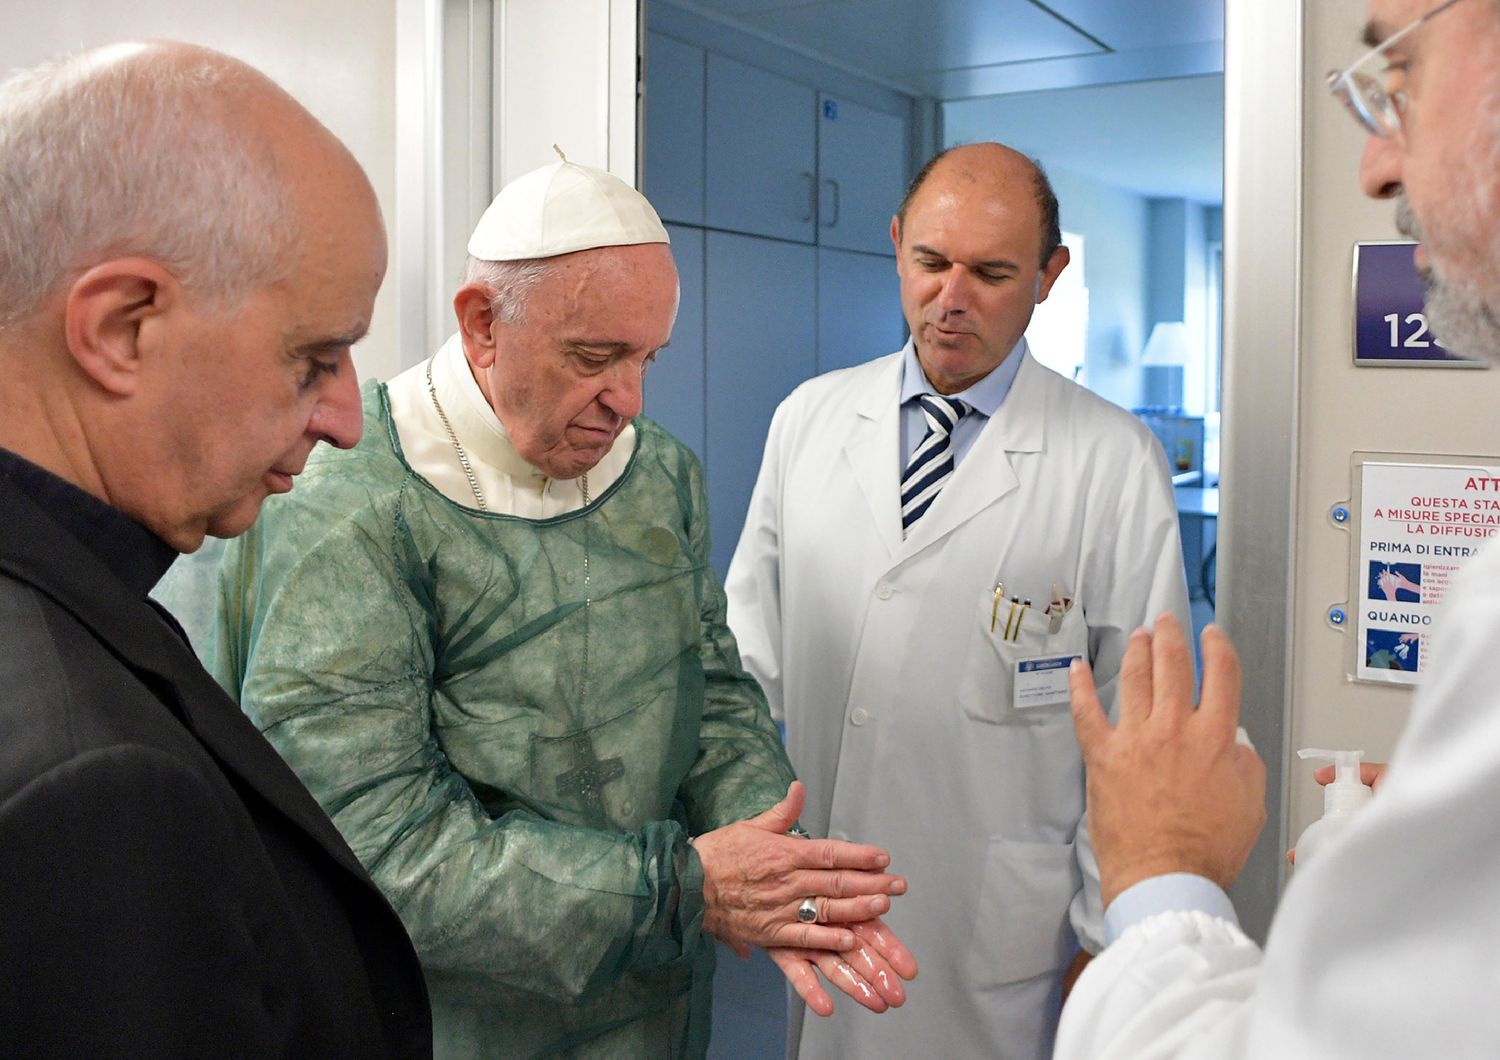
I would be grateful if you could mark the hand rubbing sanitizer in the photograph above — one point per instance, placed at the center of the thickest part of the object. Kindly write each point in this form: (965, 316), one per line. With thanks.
(1340, 800)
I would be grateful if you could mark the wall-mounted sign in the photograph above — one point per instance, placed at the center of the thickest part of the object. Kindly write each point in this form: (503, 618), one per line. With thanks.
(1390, 328)
(1418, 523)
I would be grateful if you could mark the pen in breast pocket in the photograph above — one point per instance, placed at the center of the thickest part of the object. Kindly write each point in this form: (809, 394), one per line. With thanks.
(1013, 620)
(995, 610)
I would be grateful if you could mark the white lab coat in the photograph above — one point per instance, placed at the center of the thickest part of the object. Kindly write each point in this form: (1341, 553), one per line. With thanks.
(1386, 946)
(896, 693)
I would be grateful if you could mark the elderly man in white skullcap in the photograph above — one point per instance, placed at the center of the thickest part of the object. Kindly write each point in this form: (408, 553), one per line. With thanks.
(489, 640)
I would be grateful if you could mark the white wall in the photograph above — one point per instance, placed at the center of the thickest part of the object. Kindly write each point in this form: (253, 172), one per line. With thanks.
(1177, 289)
(580, 96)
(1116, 230)
(337, 56)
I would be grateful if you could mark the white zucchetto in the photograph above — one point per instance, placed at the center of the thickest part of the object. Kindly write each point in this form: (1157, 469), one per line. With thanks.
(561, 208)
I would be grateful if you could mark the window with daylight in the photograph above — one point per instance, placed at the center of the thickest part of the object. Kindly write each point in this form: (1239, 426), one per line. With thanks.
(1058, 333)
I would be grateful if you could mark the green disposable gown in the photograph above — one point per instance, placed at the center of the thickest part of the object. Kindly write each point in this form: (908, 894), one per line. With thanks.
(516, 724)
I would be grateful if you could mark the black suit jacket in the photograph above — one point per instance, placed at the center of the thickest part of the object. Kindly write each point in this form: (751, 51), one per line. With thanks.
(167, 886)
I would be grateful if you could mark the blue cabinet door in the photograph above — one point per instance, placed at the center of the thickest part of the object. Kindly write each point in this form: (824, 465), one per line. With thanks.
(762, 154)
(861, 174)
(672, 165)
(761, 341)
(674, 384)
(859, 308)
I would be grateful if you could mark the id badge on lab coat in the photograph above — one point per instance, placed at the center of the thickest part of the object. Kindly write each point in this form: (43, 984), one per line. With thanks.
(1031, 657)
(1040, 681)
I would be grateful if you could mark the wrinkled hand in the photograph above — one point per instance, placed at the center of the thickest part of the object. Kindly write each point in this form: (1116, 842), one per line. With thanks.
(871, 972)
(755, 876)
(1169, 789)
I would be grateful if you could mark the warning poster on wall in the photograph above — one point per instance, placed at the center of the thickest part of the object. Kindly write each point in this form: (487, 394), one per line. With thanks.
(1418, 524)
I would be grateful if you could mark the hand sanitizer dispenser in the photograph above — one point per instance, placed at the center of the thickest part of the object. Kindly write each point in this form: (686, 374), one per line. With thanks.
(1340, 800)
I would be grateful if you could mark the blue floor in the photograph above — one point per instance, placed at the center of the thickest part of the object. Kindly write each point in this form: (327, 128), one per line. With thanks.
(749, 1009)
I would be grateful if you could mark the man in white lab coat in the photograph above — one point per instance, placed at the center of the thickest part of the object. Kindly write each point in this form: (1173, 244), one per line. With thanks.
(1386, 945)
(932, 536)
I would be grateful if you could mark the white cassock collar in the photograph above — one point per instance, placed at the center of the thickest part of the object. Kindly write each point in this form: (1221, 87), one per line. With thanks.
(510, 485)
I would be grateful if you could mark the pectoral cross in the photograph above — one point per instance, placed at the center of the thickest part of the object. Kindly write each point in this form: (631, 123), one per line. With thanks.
(589, 774)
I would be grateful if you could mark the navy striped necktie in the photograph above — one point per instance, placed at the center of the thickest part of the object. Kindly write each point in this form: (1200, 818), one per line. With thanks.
(931, 465)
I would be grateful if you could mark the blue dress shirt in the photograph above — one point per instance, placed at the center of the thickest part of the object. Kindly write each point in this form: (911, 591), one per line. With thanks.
(1175, 892)
(984, 399)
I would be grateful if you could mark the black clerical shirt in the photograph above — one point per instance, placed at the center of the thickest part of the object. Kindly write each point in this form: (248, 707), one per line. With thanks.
(167, 886)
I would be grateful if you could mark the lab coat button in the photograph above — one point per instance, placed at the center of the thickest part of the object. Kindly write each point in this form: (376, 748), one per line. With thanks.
(858, 716)
(884, 590)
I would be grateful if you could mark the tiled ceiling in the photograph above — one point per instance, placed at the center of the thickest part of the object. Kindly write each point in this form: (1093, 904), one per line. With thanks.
(957, 49)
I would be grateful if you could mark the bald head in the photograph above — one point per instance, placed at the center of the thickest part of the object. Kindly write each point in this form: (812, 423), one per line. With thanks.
(976, 251)
(161, 150)
(186, 259)
(1008, 172)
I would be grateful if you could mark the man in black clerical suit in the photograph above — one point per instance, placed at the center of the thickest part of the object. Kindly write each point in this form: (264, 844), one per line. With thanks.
(186, 257)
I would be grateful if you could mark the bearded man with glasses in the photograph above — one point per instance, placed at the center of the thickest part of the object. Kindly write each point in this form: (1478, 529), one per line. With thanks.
(1387, 946)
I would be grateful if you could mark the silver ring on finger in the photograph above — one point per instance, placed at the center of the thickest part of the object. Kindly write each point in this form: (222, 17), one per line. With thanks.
(807, 912)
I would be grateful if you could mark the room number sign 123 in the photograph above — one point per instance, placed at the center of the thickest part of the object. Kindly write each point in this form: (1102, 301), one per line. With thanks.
(1416, 337)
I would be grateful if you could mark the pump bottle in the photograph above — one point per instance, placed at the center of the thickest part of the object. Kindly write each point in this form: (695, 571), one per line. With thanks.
(1340, 801)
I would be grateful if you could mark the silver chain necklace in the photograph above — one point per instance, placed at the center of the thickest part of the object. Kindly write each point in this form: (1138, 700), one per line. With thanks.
(463, 457)
(463, 460)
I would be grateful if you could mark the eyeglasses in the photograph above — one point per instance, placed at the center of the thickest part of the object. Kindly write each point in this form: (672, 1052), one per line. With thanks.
(1362, 87)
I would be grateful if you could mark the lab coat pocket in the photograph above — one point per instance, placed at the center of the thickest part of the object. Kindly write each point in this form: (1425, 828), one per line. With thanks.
(988, 690)
(1021, 929)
